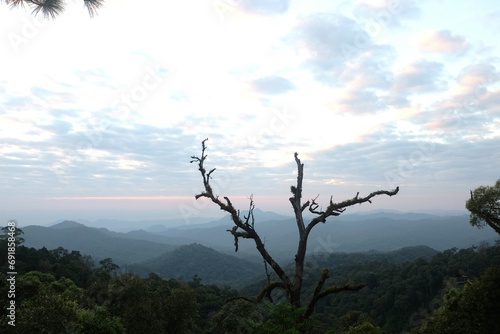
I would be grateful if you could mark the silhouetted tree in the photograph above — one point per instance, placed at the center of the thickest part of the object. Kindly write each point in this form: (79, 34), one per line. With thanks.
(107, 265)
(52, 8)
(484, 206)
(245, 228)
(12, 232)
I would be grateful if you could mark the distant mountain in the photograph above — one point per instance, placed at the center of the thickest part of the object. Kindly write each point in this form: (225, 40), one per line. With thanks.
(126, 226)
(382, 231)
(386, 234)
(67, 224)
(395, 215)
(350, 233)
(259, 216)
(156, 228)
(208, 264)
(98, 243)
(144, 235)
(402, 215)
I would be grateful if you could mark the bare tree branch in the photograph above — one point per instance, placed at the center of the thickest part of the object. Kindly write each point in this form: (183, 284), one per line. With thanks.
(334, 209)
(297, 195)
(265, 292)
(241, 229)
(318, 294)
(268, 289)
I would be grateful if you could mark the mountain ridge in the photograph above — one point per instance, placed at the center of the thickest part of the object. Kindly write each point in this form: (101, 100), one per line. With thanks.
(206, 263)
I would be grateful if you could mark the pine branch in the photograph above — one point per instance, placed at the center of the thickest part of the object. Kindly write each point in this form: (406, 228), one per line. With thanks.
(53, 8)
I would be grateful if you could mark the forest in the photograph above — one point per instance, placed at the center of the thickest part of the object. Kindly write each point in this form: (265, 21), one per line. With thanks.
(411, 290)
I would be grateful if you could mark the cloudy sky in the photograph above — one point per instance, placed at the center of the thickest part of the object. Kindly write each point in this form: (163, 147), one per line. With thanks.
(99, 116)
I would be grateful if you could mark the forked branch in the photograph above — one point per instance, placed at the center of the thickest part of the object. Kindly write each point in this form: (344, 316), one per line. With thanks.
(242, 228)
(318, 293)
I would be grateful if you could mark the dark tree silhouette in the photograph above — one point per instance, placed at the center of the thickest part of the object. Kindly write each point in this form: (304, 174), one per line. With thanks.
(52, 8)
(15, 232)
(484, 206)
(245, 228)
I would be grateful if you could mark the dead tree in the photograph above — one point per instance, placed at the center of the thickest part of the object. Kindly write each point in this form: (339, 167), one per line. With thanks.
(245, 228)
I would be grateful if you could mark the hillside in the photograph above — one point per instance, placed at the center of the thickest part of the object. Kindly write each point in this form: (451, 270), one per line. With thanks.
(208, 264)
(403, 286)
(92, 241)
(333, 261)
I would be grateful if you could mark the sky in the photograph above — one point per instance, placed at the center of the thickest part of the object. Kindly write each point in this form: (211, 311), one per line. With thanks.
(99, 116)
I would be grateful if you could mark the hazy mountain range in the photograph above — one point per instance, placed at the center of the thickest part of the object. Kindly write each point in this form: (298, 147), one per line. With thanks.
(210, 251)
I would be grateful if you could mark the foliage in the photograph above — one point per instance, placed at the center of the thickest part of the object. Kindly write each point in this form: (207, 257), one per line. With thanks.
(47, 305)
(235, 317)
(364, 328)
(484, 206)
(356, 321)
(245, 316)
(59, 262)
(99, 321)
(402, 290)
(474, 309)
(153, 305)
(282, 318)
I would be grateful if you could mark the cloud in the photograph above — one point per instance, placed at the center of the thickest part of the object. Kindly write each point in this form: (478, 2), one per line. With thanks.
(412, 164)
(267, 7)
(358, 102)
(277, 77)
(366, 82)
(57, 126)
(331, 39)
(180, 96)
(470, 107)
(419, 77)
(371, 70)
(273, 85)
(474, 78)
(442, 41)
(387, 12)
